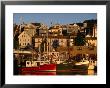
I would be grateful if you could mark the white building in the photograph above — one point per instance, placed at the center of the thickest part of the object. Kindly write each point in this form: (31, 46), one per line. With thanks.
(25, 38)
(91, 41)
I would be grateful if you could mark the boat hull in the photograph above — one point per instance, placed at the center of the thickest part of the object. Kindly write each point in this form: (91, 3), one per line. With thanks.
(80, 67)
(64, 67)
(42, 68)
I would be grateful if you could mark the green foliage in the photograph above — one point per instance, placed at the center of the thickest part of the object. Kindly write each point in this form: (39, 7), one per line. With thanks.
(42, 46)
(79, 40)
(55, 44)
(16, 44)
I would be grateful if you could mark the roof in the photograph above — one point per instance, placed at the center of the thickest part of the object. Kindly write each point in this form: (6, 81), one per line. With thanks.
(22, 33)
(79, 24)
(91, 21)
(36, 24)
(29, 32)
(30, 26)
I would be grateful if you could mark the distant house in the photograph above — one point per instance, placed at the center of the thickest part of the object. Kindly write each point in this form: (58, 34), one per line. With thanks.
(91, 41)
(43, 30)
(29, 26)
(62, 40)
(25, 38)
(38, 26)
(94, 31)
(55, 30)
(73, 28)
(38, 41)
(90, 27)
(91, 32)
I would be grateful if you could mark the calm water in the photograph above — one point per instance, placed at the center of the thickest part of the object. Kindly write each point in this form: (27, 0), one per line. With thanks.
(88, 72)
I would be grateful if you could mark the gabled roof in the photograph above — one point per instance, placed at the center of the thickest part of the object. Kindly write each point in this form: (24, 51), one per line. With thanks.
(28, 32)
(22, 33)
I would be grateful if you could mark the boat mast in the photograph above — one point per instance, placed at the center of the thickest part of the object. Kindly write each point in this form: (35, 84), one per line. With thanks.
(47, 42)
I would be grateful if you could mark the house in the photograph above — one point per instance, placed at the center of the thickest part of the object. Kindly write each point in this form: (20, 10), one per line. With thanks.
(90, 27)
(94, 31)
(25, 38)
(91, 32)
(55, 30)
(49, 42)
(62, 41)
(73, 28)
(38, 41)
(89, 23)
(91, 41)
(83, 50)
(43, 30)
(29, 26)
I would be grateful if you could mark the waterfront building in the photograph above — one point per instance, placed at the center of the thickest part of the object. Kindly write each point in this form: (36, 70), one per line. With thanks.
(55, 30)
(73, 28)
(25, 38)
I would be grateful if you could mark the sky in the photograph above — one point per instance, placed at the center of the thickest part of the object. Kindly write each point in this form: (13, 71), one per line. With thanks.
(54, 18)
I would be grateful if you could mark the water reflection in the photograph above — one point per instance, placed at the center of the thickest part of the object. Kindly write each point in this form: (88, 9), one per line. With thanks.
(88, 72)
(91, 72)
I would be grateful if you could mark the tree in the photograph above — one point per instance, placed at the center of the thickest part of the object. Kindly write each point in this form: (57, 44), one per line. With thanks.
(55, 44)
(42, 46)
(80, 39)
(16, 44)
(16, 41)
(64, 32)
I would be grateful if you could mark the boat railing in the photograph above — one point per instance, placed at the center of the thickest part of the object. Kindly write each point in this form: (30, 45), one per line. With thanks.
(36, 63)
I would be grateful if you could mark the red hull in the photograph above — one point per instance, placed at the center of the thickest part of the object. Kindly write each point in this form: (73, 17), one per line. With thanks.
(39, 70)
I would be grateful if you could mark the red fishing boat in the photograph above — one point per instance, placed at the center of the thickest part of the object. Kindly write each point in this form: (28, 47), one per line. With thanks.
(37, 66)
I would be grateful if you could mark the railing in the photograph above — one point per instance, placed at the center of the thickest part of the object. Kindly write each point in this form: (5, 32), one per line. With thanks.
(19, 51)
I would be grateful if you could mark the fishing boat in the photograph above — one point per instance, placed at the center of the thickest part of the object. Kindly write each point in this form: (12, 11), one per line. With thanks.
(82, 65)
(37, 66)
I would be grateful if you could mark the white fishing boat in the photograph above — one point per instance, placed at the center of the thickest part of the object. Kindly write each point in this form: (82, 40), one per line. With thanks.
(82, 65)
(85, 64)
